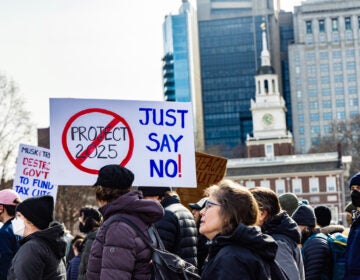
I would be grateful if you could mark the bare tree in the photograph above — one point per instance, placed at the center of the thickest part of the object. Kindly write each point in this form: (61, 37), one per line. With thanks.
(346, 134)
(15, 127)
(69, 201)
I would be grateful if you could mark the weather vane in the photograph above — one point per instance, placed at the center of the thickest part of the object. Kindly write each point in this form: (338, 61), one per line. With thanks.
(262, 26)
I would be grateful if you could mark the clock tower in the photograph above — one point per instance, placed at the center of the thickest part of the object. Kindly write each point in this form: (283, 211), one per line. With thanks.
(270, 135)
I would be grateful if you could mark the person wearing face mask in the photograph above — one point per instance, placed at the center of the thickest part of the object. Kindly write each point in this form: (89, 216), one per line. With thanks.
(352, 259)
(315, 248)
(41, 255)
(90, 220)
(8, 240)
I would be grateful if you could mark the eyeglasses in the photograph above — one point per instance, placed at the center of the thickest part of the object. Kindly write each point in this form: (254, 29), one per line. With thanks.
(209, 204)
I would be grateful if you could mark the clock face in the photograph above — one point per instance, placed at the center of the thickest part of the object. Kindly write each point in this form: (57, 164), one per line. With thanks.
(268, 119)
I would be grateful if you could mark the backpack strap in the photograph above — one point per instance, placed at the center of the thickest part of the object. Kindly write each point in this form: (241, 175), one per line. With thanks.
(155, 238)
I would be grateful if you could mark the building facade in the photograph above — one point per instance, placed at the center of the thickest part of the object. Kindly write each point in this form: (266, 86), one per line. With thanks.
(319, 178)
(324, 66)
(181, 67)
(230, 46)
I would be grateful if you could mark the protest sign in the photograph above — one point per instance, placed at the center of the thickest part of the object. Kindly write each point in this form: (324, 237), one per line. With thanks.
(32, 176)
(153, 139)
(210, 169)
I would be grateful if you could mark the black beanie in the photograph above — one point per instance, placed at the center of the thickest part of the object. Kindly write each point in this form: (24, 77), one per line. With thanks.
(355, 180)
(323, 215)
(304, 216)
(90, 212)
(38, 210)
(154, 191)
(114, 176)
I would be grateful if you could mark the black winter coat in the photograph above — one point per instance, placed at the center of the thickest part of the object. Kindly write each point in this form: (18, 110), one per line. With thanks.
(246, 254)
(41, 256)
(177, 229)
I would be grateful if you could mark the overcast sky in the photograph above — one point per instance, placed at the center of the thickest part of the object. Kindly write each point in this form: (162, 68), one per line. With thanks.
(84, 49)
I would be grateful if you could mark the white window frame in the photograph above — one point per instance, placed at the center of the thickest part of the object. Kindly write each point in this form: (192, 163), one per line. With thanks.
(265, 184)
(269, 150)
(296, 186)
(314, 186)
(331, 184)
(280, 186)
(250, 184)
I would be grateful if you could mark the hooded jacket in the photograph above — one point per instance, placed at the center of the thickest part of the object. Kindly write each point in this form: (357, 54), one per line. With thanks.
(118, 252)
(246, 254)
(287, 235)
(177, 229)
(41, 256)
(330, 229)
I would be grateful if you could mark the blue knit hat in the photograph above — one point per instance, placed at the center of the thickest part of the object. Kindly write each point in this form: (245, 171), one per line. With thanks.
(355, 180)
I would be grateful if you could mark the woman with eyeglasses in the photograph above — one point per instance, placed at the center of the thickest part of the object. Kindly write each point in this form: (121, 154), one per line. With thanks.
(237, 248)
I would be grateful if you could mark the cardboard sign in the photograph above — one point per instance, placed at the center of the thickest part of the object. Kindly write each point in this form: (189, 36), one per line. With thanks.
(210, 170)
(153, 139)
(32, 176)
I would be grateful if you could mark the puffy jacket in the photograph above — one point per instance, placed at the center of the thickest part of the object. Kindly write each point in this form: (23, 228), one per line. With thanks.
(352, 271)
(72, 268)
(177, 229)
(41, 256)
(287, 235)
(117, 252)
(317, 257)
(246, 254)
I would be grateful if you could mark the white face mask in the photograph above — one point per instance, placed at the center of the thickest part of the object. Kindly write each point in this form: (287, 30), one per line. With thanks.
(18, 225)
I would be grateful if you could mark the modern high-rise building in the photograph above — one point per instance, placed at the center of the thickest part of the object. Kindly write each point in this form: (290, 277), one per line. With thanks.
(324, 66)
(286, 28)
(181, 67)
(230, 47)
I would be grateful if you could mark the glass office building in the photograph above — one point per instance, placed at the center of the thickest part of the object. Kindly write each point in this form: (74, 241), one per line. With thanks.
(181, 68)
(286, 38)
(230, 47)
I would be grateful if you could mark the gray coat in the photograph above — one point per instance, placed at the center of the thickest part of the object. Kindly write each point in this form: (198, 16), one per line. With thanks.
(90, 237)
(287, 235)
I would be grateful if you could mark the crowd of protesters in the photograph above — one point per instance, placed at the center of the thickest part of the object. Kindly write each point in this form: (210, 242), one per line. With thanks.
(233, 232)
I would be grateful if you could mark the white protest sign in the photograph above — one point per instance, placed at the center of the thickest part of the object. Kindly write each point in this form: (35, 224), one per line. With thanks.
(32, 176)
(155, 140)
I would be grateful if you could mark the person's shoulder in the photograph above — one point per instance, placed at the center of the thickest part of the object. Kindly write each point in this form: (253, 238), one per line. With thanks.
(33, 246)
(316, 241)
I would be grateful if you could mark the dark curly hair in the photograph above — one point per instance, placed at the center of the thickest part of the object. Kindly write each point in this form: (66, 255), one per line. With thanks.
(109, 194)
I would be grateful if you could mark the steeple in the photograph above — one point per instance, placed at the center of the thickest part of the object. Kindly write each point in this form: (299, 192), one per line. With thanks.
(265, 67)
(265, 55)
